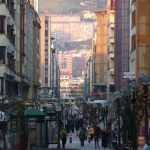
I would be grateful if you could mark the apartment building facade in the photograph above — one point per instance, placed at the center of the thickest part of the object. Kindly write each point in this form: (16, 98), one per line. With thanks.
(122, 40)
(104, 50)
(139, 37)
(101, 51)
(111, 41)
(15, 53)
(9, 48)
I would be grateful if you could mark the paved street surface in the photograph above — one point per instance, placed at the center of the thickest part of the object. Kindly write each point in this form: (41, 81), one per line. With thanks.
(76, 145)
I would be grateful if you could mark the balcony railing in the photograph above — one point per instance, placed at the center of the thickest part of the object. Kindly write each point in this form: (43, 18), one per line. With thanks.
(10, 62)
(2, 54)
(10, 34)
(10, 5)
(2, 24)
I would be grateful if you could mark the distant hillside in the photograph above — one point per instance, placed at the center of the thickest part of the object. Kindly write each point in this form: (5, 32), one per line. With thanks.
(70, 6)
(59, 6)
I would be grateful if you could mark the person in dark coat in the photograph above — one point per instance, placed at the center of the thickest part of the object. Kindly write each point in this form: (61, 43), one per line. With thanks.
(63, 135)
(82, 136)
(104, 139)
(97, 132)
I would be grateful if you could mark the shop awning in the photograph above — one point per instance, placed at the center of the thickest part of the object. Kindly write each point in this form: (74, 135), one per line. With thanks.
(102, 102)
(32, 112)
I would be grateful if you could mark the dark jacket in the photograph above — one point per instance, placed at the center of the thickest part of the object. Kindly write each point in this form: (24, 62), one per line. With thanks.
(82, 135)
(97, 132)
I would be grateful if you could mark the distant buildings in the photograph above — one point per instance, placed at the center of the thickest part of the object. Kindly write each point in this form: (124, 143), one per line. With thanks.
(18, 52)
(78, 65)
(99, 77)
(71, 32)
(72, 71)
(49, 69)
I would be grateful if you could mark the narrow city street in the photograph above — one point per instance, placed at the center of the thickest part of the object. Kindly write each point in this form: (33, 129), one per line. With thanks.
(75, 145)
(74, 66)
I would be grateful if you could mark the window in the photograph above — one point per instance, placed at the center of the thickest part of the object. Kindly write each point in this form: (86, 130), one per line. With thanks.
(46, 62)
(46, 71)
(133, 43)
(1, 85)
(46, 23)
(46, 80)
(2, 55)
(2, 24)
(2, 1)
(46, 33)
(133, 19)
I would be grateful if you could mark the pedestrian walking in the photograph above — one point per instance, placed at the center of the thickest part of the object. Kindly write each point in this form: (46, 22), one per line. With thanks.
(77, 126)
(92, 132)
(142, 143)
(89, 135)
(70, 136)
(109, 135)
(82, 136)
(97, 132)
(63, 135)
(104, 139)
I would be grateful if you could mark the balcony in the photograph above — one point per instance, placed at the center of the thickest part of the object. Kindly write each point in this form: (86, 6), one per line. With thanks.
(2, 54)
(10, 34)
(111, 55)
(10, 62)
(112, 41)
(10, 6)
(111, 71)
(112, 25)
(7, 8)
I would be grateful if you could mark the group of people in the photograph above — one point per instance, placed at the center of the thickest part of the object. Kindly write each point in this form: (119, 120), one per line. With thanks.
(94, 133)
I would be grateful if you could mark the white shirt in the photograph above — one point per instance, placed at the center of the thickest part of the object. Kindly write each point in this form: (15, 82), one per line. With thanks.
(144, 148)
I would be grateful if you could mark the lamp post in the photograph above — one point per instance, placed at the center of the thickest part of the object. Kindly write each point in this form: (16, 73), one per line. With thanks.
(58, 110)
(133, 89)
(118, 98)
(145, 79)
(118, 101)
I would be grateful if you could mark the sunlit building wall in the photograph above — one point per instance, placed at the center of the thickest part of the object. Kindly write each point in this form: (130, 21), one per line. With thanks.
(111, 42)
(140, 37)
(101, 48)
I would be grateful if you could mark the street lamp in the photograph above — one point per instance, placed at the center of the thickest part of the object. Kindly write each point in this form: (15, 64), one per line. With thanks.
(133, 89)
(58, 110)
(118, 96)
(145, 79)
